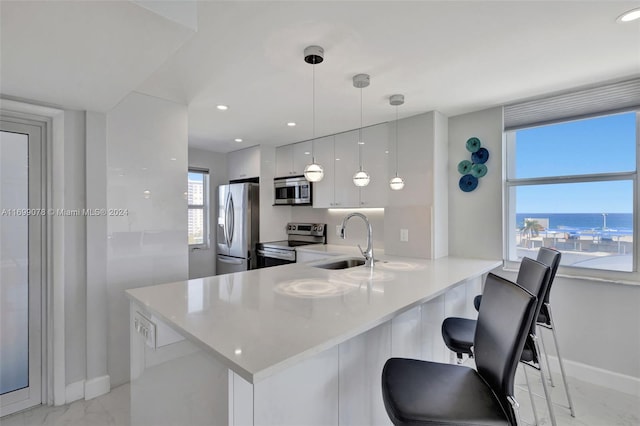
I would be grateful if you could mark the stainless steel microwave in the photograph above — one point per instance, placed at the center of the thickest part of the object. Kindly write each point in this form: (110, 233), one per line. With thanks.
(292, 191)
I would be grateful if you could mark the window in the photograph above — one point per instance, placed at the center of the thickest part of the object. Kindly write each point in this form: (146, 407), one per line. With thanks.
(198, 207)
(572, 186)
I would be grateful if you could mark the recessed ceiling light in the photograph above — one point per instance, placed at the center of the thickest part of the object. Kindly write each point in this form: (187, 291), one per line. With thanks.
(222, 107)
(307, 153)
(630, 15)
(238, 140)
(291, 124)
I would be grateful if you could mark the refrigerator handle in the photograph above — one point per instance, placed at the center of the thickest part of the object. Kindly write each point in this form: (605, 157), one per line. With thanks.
(226, 220)
(232, 219)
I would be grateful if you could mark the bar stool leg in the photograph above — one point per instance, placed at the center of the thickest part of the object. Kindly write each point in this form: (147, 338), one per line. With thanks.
(552, 415)
(531, 396)
(564, 376)
(546, 355)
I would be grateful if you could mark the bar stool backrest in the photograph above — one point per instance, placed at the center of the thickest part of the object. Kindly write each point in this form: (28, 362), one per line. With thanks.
(504, 320)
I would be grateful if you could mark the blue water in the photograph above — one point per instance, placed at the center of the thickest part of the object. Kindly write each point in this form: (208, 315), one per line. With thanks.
(619, 223)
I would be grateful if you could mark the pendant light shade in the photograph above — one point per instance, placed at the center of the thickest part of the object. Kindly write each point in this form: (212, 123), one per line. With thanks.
(361, 178)
(314, 172)
(396, 183)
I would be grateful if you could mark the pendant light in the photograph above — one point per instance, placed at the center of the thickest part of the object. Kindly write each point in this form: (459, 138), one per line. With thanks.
(396, 183)
(361, 178)
(314, 172)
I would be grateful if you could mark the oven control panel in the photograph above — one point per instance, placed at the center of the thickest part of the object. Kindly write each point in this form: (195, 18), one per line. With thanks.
(313, 229)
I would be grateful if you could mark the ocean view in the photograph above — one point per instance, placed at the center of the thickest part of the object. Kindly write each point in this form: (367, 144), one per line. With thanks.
(621, 222)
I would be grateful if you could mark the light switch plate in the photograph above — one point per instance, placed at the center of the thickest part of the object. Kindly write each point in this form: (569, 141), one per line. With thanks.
(404, 235)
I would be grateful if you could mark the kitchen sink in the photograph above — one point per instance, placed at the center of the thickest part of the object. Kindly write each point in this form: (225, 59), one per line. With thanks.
(342, 264)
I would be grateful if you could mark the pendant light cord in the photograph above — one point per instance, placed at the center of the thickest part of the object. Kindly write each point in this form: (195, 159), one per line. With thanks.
(360, 141)
(313, 136)
(396, 140)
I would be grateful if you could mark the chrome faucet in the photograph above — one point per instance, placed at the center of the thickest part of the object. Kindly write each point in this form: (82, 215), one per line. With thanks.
(368, 253)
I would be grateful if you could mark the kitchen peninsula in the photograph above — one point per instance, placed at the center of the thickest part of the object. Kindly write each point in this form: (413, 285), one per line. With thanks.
(293, 344)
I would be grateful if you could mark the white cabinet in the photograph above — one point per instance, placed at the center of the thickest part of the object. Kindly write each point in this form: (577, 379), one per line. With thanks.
(338, 155)
(323, 191)
(346, 165)
(292, 159)
(375, 158)
(340, 158)
(244, 163)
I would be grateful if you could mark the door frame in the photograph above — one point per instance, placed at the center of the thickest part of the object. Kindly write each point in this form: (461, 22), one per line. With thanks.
(51, 120)
(33, 394)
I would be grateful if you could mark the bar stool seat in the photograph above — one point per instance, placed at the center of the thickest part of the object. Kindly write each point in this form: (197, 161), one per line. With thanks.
(454, 394)
(458, 334)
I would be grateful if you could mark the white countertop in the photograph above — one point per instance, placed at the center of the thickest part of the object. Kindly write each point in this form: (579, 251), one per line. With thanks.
(262, 321)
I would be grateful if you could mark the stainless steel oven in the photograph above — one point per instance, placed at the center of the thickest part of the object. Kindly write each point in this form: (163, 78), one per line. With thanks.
(276, 253)
(292, 191)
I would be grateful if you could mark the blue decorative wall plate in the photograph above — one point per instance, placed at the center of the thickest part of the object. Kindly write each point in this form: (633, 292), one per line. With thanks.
(478, 170)
(480, 156)
(473, 144)
(468, 183)
(464, 167)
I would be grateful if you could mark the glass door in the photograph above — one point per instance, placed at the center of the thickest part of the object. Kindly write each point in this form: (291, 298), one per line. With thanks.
(22, 240)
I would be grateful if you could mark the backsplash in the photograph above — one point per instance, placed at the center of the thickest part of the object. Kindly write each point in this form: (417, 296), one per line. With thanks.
(356, 229)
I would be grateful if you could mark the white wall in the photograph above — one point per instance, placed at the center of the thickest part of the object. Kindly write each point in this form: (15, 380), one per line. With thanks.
(96, 308)
(202, 262)
(422, 142)
(475, 218)
(598, 322)
(146, 151)
(75, 252)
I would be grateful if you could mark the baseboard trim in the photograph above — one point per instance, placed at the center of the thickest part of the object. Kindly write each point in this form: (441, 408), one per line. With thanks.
(598, 376)
(74, 391)
(97, 386)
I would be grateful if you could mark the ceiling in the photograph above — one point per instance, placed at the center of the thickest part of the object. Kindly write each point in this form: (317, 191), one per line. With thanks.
(450, 56)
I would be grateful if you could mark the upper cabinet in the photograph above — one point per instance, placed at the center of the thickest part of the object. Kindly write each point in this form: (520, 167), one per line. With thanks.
(375, 159)
(340, 157)
(346, 165)
(323, 191)
(292, 159)
(244, 163)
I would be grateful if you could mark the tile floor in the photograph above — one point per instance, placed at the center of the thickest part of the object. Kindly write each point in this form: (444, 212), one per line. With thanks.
(595, 406)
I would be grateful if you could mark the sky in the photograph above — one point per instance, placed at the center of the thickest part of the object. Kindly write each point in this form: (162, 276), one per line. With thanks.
(597, 145)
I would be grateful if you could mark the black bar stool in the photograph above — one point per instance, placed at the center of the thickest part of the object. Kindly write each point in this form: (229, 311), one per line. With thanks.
(422, 392)
(534, 277)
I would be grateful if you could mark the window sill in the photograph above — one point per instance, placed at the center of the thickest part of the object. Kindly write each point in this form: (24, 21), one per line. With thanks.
(594, 275)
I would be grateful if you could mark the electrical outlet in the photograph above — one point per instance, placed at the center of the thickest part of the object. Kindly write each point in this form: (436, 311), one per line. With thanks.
(338, 227)
(404, 235)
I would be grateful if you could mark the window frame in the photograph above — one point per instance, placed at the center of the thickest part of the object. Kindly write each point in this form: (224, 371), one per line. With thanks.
(205, 207)
(509, 213)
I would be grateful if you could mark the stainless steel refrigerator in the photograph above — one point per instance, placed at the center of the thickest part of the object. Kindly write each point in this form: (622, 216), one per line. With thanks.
(238, 227)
